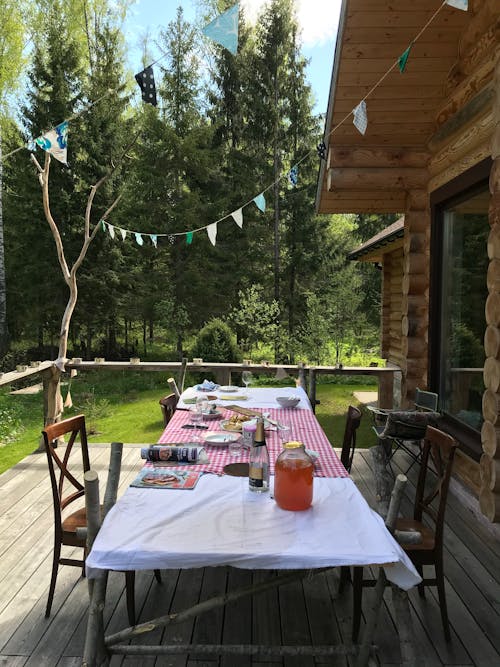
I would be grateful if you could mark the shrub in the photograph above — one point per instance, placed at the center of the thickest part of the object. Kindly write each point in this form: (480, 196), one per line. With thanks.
(216, 342)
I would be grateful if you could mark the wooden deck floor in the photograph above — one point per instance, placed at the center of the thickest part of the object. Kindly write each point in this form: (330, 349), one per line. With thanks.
(299, 613)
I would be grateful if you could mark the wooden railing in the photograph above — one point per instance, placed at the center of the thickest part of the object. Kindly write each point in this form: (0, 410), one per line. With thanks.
(306, 375)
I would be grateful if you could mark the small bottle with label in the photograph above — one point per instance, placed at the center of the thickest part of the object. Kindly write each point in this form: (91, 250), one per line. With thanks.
(258, 461)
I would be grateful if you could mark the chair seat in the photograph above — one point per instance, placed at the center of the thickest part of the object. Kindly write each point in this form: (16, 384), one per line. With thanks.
(411, 525)
(73, 521)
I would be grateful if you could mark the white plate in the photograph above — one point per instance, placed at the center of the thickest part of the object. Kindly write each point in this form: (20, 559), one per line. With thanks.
(229, 388)
(221, 438)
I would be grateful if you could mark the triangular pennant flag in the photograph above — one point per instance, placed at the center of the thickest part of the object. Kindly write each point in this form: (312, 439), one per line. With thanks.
(224, 29)
(55, 142)
(293, 175)
(360, 120)
(212, 232)
(403, 59)
(146, 81)
(123, 232)
(154, 239)
(459, 4)
(68, 403)
(321, 148)
(238, 217)
(103, 225)
(189, 238)
(260, 202)
(73, 373)
(138, 239)
(111, 231)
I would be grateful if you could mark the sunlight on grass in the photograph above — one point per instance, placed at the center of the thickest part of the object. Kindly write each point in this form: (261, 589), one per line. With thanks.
(124, 407)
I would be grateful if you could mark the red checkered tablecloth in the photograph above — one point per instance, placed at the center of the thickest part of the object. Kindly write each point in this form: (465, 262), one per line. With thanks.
(304, 426)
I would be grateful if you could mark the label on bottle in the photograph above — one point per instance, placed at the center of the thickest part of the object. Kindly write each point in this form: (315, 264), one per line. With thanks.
(255, 475)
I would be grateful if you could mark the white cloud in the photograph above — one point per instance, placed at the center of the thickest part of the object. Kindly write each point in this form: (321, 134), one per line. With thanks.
(318, 19)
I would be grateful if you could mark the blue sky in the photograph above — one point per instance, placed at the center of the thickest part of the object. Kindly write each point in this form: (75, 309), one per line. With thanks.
(318, 20)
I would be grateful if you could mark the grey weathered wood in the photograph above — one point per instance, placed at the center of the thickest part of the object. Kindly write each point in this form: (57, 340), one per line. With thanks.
(205, 606)
(239, 649)
(472, 571)
(115, 462)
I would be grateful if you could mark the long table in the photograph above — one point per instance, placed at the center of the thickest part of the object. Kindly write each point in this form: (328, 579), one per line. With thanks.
(221, 522)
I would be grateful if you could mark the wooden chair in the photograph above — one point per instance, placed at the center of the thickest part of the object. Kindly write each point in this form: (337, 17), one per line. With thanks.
(430, 504)
(168, 405)
(66, 490)
(349, 443)
(405, 429)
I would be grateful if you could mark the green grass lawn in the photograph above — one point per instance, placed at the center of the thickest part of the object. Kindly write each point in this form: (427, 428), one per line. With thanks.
(123, 406)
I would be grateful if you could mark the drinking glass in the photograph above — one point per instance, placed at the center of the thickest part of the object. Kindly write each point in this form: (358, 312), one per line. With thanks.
(235, 448)
(196, 415)
(284, 433)
(247, 378)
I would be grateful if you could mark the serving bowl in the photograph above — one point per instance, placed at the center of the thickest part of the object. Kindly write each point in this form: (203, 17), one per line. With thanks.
(288, 401)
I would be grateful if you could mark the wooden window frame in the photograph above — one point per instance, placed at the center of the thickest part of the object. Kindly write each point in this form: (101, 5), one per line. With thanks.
(459, 189)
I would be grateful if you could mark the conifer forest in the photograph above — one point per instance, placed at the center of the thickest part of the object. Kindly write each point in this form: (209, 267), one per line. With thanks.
(229, 134)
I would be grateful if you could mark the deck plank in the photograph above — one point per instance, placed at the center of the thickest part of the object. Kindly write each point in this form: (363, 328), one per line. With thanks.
(307, 612)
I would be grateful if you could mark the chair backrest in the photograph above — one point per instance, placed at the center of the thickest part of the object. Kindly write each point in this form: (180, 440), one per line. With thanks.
(353, 421)
(430, 498)
(65, 486)
(168, 405)
(426, 401)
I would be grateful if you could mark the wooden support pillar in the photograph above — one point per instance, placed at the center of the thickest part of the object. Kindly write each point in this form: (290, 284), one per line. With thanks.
(489, 494)
(415, 303)
(301, 379)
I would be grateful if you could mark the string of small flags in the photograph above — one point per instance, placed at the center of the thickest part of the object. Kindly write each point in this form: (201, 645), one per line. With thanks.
(360, 121)
(223, 30)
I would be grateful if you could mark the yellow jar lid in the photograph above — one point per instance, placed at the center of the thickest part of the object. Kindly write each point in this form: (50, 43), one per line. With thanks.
(293, 444)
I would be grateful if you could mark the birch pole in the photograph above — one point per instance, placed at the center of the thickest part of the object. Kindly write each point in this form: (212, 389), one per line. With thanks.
(54, 398)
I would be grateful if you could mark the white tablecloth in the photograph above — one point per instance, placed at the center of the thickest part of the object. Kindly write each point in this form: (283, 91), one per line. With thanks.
(257, 397)
(221, 522)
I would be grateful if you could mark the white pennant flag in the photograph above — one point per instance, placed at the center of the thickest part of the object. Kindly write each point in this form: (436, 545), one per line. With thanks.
(459, 4)
(212, 232)
(360, 120)
(238, 217)
(138, 239)
(123, 233)
(111, 231)
(55, 142)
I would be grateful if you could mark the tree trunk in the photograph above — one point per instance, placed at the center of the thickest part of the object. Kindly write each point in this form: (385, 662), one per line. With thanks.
(4, 336)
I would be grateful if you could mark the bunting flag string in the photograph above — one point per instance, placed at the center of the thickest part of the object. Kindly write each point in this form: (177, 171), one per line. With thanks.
(54, 141)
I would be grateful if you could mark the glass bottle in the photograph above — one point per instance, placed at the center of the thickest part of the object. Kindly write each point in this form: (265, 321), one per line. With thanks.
(293, 477)
(258, 461)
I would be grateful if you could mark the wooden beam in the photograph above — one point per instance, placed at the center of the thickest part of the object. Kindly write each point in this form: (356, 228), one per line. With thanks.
(354, 156)
(453, 123)
(362, 178)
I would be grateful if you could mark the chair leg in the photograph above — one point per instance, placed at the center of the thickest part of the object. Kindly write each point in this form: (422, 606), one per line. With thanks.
(130, 594)
(158, 576)
(442, 598)
(345, 577)
(53, 578)
(421, 587)
(357, 595)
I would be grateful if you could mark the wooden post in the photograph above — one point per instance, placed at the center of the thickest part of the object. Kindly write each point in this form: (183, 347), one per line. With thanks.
(312, 387)
(489, 494)
(94, 651)
(301, 379)
(182, 374)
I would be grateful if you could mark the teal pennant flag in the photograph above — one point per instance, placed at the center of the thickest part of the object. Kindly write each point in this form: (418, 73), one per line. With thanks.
(138, 239)
(403, 59)
(189, 238)
(459, 4)
(224, 29)
(260, 202)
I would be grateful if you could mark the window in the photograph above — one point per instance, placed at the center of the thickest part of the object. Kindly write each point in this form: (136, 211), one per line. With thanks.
(458, 296)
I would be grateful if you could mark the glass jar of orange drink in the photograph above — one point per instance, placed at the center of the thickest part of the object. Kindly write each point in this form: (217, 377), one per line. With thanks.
(293, 477)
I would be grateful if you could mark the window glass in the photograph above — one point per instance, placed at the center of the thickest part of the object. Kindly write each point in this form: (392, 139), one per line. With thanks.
(463, 297)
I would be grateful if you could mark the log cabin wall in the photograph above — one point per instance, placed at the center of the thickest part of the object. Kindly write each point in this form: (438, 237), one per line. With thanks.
(426, 128)
(392, 306)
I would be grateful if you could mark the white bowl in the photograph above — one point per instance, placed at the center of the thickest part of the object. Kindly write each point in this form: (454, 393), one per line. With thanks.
(288, 401)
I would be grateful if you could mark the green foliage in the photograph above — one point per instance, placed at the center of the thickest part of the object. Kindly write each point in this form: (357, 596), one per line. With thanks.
(216, 342)
(467, 350)
(255, 319)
